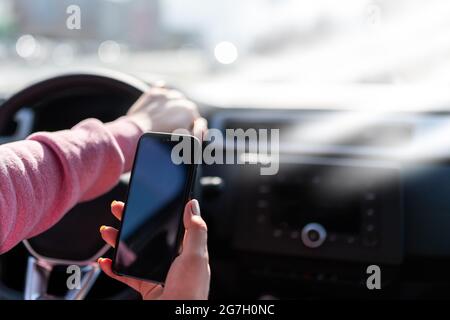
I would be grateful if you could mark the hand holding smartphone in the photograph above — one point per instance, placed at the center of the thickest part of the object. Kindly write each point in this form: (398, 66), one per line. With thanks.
(152, 228)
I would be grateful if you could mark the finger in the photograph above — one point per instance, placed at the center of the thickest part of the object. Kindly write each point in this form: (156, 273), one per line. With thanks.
(152, 293)
(163, 93)
(117, 209)
(157, 99)
(148, 97)
(109, 234)
(196, 236)
(106, 266)
(140, 103)
(200, 128)
(159, 84)
(175, 94)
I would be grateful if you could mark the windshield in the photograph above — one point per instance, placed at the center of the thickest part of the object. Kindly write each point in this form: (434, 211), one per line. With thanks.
(275, 41)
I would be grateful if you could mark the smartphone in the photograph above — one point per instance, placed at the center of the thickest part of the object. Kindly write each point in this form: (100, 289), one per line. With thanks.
(151, 228)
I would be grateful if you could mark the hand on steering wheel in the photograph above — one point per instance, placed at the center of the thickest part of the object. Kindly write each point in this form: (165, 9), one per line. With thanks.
(189, 275)
(165, 110)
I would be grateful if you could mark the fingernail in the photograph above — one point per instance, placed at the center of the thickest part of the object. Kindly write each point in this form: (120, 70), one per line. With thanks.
(113, 202)
(195, 207)
(102, 228)
(99, 260)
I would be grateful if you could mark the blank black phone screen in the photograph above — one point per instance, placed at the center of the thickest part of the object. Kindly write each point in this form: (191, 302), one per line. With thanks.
(152, 221)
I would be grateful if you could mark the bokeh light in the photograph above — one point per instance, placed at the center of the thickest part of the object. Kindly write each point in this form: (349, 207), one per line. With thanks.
(27, 46)
(226, 52)
(109, 51)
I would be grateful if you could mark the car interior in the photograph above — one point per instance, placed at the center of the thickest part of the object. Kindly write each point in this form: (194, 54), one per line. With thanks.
(363, 171)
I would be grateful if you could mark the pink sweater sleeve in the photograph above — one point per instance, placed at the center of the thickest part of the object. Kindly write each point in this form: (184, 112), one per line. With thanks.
(44, 176)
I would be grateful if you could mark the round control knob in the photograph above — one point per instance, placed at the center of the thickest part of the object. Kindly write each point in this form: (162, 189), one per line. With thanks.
(313, 235)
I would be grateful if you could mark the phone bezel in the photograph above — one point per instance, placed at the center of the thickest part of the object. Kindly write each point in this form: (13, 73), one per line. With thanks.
(188, 189)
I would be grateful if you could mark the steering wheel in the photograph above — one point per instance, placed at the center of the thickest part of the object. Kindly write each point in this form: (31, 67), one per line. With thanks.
(59, 103)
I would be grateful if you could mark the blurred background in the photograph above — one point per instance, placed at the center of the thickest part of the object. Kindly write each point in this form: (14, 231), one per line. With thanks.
(233, 41)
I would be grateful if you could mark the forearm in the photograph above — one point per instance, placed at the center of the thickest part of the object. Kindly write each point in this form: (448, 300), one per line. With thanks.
(42, 177)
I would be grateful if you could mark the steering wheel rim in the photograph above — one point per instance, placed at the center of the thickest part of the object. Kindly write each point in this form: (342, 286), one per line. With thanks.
(30, 94)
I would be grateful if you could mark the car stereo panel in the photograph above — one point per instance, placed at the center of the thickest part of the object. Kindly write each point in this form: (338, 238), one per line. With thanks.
(349, 210)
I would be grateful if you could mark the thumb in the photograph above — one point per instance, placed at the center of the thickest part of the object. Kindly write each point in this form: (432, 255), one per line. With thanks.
(200, 128)
(196, 235)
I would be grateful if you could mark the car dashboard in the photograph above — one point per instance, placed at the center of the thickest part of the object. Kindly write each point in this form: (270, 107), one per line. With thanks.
(352, 190)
